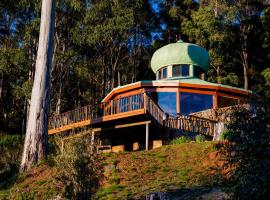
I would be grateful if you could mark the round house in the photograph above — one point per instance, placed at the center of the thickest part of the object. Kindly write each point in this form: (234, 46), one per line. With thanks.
(180, 87)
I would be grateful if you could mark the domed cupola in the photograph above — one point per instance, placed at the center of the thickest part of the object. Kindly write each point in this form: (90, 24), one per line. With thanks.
(180, 59)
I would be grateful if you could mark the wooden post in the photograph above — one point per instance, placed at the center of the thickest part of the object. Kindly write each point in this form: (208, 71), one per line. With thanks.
(147, 137)
(92, 138)
(92, 141)
(144, 101)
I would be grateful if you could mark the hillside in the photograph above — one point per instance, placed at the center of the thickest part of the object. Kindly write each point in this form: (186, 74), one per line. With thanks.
(188, 170)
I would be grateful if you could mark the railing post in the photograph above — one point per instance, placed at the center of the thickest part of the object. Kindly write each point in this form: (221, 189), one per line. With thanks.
(144, 101)
(147, 137)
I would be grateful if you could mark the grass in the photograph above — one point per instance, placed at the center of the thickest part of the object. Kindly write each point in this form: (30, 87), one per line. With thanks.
(39, 183)
(184, 165)
(130, 175)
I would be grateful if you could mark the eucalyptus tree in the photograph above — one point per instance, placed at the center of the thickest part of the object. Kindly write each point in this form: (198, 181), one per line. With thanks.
(228, 29)
(65, 53)
(208, 27)
(172, 14)
(106, 29)
(13, 63)
(245, 19)
(145, 23)
(35, 146)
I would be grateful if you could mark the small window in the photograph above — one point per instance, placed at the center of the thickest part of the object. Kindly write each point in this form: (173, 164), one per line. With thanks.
(198, 72)
(180, 70)
(159, 74)
(164, 73)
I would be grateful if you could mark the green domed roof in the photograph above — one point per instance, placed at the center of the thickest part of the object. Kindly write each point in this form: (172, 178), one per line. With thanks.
(180, 53)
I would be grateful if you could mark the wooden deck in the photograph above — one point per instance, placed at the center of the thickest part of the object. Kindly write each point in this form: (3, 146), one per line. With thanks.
(126, 108)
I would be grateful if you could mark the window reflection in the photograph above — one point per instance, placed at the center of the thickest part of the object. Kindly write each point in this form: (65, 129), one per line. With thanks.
(225, 101)
(180, 70)
(191, 102)
(166, 100)
(164, 72)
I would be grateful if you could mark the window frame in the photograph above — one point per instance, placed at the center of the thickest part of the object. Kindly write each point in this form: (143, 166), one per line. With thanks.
(181, 69)
(194, 93)
(160, 73)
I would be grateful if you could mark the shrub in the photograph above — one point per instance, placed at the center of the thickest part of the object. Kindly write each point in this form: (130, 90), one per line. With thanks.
(180, 140)
(10, 151)
(226, 134)
(246, 153)
(80, 169)
(200, 138)
(7, 140)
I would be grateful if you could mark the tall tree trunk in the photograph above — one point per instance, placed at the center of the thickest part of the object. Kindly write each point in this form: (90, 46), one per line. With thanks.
(218, 74)
(245, 63)
(1, 83)
(35, 146)
(59, 99)
(245, 67)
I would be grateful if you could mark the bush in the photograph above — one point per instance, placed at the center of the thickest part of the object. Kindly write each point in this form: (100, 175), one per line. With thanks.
(180, 140)
(7, 140)
(200, 138)
(10, 151)
(246, 153)
(80, 169)
(226, 134)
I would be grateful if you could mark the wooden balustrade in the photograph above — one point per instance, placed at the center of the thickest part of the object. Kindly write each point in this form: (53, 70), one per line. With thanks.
(154, 109)
(112, 107)
(191, 124)
(132, 103)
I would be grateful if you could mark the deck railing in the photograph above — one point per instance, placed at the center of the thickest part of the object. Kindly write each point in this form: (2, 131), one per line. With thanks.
(191, 124)
(132, 103)
(154, 109)
(125, 104)
(121, 105)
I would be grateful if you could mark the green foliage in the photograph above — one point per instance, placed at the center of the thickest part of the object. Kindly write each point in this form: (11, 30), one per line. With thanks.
(266, 74)
(226, 135)
(10, 150)
(7, 141)
(180, 140)
(200, 138)
(246, 153)
(231, 79)
(80, 169)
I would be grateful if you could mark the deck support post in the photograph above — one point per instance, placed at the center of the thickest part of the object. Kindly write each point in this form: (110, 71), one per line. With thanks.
(92, 140)
(146, 137)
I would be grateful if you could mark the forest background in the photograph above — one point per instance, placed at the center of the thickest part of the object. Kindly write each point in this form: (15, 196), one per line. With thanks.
(101, 44)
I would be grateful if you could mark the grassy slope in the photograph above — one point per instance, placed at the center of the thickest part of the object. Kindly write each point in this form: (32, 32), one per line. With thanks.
(133, 174)
(136, 174)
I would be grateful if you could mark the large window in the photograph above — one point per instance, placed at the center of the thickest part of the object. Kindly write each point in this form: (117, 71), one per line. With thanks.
(191, 102)
(166, 100)
(226, 101)
(198, 72)
(180, 70)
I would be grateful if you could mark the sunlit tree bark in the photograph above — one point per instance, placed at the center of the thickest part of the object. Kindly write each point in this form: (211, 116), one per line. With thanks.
(35, 147)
